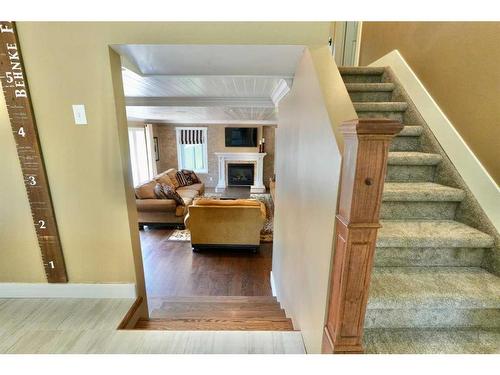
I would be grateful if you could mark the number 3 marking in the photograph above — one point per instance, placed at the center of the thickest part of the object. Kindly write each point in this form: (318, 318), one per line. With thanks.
(42, 224)
(32, 180)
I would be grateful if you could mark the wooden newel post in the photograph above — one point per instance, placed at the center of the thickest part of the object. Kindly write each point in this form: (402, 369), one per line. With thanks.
(366, 146)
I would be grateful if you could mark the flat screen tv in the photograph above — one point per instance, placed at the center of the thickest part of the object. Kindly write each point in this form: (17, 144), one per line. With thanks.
(241, 137)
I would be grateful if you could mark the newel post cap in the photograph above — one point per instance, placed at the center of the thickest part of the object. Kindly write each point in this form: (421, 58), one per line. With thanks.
(375, 126)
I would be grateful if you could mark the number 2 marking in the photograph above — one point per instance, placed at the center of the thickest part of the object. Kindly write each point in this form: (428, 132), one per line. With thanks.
(42, 224)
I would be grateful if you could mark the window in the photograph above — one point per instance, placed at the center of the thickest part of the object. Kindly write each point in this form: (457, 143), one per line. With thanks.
(139, 155)
(192, 149)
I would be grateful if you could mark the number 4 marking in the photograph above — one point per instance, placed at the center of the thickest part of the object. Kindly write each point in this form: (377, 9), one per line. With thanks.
(21, 132)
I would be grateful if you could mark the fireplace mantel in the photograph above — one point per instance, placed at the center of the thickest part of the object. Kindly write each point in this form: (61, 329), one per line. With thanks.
(242, 157)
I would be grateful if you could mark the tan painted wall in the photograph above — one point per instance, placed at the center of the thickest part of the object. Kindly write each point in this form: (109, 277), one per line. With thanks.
(69, 63)
(216, 143)
(19, 261)
(458, 63)
(307, 175)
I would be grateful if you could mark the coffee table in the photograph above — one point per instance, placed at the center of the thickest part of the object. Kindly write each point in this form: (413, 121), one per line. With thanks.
(236, 192)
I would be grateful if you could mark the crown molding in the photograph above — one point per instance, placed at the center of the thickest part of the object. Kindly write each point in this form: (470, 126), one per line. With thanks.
(279, 92)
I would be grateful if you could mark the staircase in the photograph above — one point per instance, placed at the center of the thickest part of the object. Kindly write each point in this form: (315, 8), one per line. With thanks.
(428, 290)
(217, 313)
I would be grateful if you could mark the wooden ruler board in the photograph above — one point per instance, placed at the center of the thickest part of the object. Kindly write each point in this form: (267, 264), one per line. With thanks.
(24, 130)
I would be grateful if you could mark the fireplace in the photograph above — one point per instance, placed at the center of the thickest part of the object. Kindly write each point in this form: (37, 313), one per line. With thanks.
(252, 162)
(240, 174)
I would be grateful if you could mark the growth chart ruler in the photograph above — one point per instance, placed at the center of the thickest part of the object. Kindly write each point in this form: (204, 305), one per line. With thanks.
(24, 130)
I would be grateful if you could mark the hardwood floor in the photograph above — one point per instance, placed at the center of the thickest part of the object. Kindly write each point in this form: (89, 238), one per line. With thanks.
(172, 269)
(208, 290)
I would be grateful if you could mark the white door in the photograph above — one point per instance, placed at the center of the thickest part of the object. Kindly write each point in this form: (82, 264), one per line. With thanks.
(346, 43)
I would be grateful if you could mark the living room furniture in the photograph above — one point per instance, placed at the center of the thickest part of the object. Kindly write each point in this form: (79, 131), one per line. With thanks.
(152, 210)
(236, 192)
(225, 224)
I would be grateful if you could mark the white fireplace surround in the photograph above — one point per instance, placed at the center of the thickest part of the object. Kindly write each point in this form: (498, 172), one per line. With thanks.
(224, 158)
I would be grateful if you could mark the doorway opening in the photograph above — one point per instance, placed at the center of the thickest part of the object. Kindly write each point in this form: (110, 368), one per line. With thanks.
(204, 205)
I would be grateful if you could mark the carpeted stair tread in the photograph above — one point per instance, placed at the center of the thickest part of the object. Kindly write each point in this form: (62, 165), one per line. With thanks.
(433, 287)
(413, 158)
(432, 341)
(355, 70)
(369, 87)
(380, 106)
(421, 192)
(430, 233)
(411, 131)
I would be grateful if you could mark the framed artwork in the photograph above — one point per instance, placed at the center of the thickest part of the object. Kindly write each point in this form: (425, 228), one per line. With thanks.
(157, 150)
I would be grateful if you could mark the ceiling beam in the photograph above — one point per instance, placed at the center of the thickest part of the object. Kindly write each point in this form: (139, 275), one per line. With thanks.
(191, 101)
(203, 121)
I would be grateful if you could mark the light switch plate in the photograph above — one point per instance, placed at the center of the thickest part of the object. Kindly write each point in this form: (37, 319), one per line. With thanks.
(79, 114)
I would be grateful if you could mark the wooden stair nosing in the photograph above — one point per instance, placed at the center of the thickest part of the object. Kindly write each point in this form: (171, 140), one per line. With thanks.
(218, 299)
(277, 324)
(246, 314)
(210, 307)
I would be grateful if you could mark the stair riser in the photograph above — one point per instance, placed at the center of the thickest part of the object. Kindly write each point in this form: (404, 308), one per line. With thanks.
(405, 144)
(432, 318)
(392, 115)
(362, 78)
(247, 315)
(422, 257)
(418, 210)
(410, 173)
(370, 96)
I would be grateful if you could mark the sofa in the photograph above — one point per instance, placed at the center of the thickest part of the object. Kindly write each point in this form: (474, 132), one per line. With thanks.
(152, 210)
(216, 223)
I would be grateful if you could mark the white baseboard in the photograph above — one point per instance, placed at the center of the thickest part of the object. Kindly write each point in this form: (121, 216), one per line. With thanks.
(45, 290)
(273, 285)
(470, 168)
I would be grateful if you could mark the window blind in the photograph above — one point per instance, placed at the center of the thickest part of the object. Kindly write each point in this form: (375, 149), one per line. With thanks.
(191, 137)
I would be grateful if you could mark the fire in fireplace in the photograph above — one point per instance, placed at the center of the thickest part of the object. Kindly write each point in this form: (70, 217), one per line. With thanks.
(240, 174)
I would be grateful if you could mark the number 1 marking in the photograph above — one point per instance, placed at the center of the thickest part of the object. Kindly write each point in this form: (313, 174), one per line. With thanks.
(51, 264)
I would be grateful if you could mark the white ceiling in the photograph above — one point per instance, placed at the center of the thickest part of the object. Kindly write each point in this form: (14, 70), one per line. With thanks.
(205, 84)
(279, 60)
(198, 85)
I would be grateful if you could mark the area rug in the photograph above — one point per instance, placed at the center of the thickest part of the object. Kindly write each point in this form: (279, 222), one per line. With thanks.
(180, 235)
(266, 234)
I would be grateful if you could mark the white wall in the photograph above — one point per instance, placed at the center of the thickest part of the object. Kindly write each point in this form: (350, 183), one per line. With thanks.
(307, 174)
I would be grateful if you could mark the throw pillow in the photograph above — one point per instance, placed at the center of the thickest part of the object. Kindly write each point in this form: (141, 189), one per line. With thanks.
(171, 173)
(145, 191)
(181, 179)
(191, 177)
(164, 191)
(164, 179)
